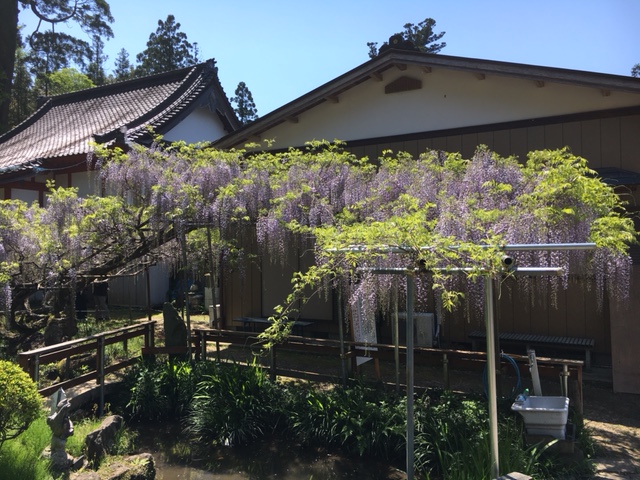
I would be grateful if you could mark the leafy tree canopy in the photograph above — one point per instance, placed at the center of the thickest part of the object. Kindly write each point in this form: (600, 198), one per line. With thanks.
(50, 50)
(66, 80)
(635, 71)
(419, 37)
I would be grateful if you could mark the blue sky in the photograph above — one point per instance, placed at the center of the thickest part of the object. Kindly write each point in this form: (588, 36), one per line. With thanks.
(282, 49)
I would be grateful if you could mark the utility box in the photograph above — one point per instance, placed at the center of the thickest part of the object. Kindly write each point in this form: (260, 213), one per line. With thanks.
(423, 331)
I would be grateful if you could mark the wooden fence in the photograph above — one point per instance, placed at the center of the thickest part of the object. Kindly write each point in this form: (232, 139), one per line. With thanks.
(569, 371)
(32, 360)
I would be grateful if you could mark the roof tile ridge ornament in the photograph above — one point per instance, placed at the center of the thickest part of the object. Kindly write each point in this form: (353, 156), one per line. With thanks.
(398, 42)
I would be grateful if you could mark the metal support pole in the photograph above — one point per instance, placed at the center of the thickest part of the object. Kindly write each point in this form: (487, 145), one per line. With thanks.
(396, 338)
(185, 297)
(491, 375)
(410, 419)
(343, 360)
(147, 292)
(272, 363)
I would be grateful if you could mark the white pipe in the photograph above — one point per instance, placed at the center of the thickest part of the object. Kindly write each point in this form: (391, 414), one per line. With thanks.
(535, 376)
(491, 376)
(409, 373)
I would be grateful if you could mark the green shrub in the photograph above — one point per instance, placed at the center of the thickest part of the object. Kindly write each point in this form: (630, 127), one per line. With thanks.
(20, 402)
(162, 390)
(234, 405)
(360, 420)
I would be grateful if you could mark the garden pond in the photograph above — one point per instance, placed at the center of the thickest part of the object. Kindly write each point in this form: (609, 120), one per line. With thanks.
(266, 459)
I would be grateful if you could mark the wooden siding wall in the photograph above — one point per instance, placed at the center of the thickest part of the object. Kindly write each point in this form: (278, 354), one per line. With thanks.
(610, 141)
(605, 142)
(520, 309)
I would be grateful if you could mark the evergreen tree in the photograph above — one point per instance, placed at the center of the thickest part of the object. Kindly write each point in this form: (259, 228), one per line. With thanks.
(418, 37)
(95, 70)
(245, 107)
(124, 69)
(635, 71)
(52, 51)
(93, 17)
(167, 49)
(23, 98)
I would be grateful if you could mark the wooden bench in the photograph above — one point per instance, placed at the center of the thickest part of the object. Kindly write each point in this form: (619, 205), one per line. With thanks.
(531, 340)
(175, 350)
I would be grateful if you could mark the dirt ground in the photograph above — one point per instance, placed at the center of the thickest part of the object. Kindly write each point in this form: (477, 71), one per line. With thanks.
(614, 421)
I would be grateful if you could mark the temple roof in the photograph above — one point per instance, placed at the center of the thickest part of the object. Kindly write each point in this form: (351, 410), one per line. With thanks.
(68, 125)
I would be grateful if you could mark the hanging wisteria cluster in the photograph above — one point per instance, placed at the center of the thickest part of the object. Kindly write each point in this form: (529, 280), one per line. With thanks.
(435, 213)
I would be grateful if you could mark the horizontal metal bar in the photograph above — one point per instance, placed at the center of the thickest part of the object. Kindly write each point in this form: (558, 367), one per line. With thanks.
(412, 271)
(507, 248)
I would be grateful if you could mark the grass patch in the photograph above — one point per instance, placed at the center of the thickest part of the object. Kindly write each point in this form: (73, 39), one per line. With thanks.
(20, 458)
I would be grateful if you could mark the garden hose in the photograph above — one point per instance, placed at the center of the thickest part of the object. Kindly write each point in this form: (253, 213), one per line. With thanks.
(517, 388)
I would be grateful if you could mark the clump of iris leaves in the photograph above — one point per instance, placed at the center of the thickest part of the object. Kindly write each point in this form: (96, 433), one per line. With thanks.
(236, 405)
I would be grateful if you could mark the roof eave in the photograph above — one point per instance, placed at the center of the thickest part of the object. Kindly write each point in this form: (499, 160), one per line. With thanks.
(395, 57)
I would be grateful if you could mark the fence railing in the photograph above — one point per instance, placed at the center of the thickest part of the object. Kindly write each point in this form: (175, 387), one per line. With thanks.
(32, 360)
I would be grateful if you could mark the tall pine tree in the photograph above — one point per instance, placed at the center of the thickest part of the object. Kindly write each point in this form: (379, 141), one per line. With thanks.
(95, 69)
(124, 69)
(167, 49)
(93, 17)
(245, 107)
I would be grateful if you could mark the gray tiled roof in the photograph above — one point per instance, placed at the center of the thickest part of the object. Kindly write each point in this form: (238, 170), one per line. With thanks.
(67, 124)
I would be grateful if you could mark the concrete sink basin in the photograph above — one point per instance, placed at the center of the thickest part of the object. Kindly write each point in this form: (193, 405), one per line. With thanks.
(544, 415)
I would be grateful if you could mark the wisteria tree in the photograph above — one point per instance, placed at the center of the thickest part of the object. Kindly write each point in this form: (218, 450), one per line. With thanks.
(434, 213)
(441, 212)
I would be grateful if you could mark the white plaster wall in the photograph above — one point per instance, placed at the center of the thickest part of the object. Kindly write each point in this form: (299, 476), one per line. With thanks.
(448, 99)
(201, 126)
(28, 196)
(132, 291)
(85, 182)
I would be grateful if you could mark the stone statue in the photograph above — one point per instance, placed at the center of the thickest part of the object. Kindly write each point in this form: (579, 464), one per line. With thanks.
(61, 429)
(175, 331)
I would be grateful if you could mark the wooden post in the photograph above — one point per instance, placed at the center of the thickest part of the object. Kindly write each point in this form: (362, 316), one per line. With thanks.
(272, 369)
(445, 371)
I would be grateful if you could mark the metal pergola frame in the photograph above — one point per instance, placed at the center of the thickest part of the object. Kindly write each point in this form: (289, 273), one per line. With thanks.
(489, 317)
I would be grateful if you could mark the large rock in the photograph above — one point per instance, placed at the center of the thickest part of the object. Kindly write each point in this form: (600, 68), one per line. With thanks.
(134, 467)
(100, 441)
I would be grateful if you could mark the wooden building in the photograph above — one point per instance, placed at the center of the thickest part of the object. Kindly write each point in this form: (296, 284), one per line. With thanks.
(410, 101)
